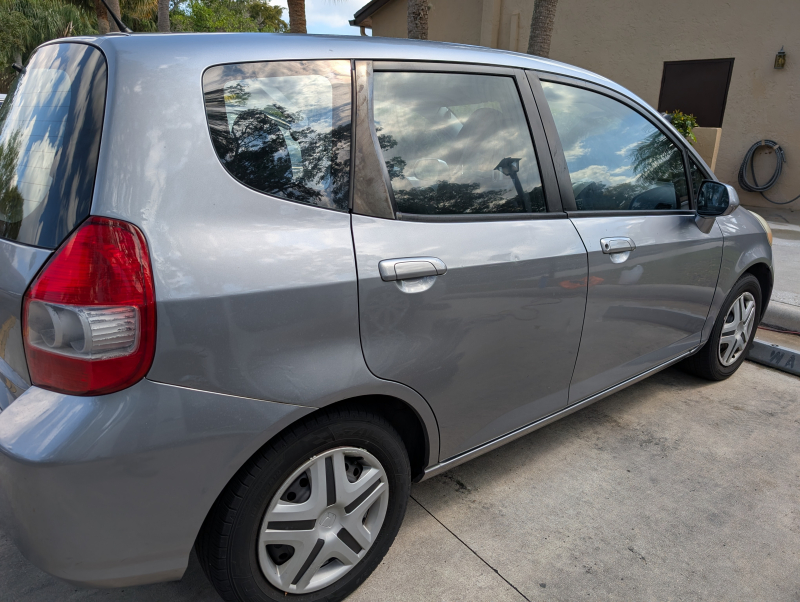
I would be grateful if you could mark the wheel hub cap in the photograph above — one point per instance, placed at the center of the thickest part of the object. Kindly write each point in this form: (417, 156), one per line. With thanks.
(737, 329)
(323, 520)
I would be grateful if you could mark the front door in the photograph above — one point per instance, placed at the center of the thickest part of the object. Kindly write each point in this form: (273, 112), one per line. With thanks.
(470, 292)
(652, 270)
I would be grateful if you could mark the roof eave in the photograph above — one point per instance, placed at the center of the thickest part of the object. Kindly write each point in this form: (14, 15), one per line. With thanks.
(362, 17)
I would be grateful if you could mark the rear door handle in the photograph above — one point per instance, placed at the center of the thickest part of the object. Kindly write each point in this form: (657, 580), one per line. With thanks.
(617, 244)
(405, 268)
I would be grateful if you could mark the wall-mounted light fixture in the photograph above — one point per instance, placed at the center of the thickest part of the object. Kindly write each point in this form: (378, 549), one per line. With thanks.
(780, 59)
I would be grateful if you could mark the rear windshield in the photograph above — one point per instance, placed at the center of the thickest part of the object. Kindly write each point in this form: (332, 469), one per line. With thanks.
(49, 138)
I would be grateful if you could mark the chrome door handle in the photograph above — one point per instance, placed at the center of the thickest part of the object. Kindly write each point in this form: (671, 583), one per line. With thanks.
(617, 244)
(406, 268)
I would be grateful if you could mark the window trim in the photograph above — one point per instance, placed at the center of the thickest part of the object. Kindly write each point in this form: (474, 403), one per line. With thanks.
(535, 131)
(560, 161)
(478, 217)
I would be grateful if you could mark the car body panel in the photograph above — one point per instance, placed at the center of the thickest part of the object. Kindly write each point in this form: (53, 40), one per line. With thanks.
(492, 344)
(99, 486)
(745, 245)
(256, 296)
(19, 265)
(649, 308)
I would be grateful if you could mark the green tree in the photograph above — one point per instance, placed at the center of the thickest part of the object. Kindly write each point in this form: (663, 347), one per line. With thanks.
(24, 24)
(227, 15)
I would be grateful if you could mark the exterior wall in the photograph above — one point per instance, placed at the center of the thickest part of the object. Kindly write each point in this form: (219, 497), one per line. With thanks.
(391, 22)
(448, 21)
(628, 42)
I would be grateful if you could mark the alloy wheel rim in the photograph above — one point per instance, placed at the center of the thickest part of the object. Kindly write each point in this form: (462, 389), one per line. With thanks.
(737, 329)
(323, 520)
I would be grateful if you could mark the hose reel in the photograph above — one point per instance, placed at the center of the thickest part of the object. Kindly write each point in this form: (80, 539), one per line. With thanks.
(780, 159)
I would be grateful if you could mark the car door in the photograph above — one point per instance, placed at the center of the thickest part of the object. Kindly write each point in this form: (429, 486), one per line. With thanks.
(652, 270)
(472, 282)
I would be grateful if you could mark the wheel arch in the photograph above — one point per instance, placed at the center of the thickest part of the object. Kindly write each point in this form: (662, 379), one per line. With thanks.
(421, 444)
(763, 274)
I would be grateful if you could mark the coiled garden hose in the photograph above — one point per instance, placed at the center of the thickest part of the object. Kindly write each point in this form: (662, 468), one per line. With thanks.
(780, 159)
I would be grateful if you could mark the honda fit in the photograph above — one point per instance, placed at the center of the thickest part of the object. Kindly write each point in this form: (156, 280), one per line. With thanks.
(253, 286)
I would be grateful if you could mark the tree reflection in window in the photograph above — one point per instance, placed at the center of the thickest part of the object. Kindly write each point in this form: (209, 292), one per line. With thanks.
(284, 128)
(11, 199)
(456, 143)
(617, 159)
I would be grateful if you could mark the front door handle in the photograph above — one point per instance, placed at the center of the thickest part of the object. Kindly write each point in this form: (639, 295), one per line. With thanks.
(405, 268)
(617, 244)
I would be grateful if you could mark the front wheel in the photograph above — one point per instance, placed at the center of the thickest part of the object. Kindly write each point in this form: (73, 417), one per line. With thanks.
(733, 333)
(311, 515)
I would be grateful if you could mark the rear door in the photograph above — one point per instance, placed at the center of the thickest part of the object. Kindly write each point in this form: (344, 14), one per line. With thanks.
(49, 138)
(472, 281)
(652, 270)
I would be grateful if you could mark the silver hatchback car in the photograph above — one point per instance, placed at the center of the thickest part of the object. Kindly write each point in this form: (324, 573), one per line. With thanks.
(252, 287)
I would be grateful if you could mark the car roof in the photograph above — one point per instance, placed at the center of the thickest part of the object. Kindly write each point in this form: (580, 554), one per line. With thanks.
(217, 48)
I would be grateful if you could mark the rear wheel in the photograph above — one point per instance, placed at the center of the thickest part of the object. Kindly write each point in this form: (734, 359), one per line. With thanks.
(311, 515)
(733, 333)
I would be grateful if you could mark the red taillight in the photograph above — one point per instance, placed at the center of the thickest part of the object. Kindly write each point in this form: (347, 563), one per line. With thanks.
(89, 318)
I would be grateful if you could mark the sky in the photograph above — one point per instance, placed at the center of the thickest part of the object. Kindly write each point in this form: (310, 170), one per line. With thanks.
(328, 16)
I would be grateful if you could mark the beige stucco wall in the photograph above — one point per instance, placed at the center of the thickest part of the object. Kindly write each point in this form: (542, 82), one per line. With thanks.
(449, 21)
(628, 42)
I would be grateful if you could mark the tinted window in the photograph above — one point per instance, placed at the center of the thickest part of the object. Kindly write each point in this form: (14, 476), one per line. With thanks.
(50, 127)
(456, 143)
(617, 159)
(284, 128)
(697, 177)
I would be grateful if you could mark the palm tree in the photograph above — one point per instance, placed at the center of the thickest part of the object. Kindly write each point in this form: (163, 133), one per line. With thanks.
(297, 16)
(24, 24)
(544, 13)
(163, 16)
(418, 19)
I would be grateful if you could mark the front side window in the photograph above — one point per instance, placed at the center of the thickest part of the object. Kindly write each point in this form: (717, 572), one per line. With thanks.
(283, 128)
(456, 144)
(617, 159)
(697, 177)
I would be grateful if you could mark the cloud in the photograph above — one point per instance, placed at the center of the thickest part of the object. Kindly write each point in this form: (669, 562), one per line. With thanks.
(577, 150)
(327, 16)
(601, 173)
(626, 149)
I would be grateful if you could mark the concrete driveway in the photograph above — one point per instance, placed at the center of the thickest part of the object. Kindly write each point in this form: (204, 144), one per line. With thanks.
(674, 489)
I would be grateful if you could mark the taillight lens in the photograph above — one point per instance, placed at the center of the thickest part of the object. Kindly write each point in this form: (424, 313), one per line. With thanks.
(89, 318)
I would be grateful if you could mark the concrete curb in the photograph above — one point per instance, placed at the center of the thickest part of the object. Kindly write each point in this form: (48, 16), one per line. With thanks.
(775, 356)
(782, 315)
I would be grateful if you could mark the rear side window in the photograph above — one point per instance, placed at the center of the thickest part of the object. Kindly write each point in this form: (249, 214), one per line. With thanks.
(456, 143)
(283, 128)
(50, 127)
(617, 159)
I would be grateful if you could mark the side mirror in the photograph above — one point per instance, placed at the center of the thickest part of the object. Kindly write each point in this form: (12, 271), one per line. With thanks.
(716, 199)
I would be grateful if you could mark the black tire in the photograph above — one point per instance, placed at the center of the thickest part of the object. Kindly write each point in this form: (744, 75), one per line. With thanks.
(227, 544)
(706, 362)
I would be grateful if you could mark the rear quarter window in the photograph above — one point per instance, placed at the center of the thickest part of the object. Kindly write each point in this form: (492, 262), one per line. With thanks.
(50, 127)
(283, 128)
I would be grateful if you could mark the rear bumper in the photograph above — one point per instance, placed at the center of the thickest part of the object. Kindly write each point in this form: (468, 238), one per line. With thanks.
(111, 491)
